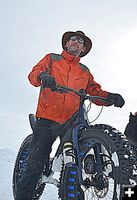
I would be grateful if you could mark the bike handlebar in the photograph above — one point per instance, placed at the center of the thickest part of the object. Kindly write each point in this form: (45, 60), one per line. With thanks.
(82, 94)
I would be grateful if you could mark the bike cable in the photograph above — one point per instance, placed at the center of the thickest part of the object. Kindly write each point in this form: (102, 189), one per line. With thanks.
(88, 109)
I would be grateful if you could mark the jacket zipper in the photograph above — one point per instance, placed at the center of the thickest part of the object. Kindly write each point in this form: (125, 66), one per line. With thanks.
(65, 94)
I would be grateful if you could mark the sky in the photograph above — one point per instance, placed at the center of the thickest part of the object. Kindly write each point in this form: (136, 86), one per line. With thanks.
(30, 29)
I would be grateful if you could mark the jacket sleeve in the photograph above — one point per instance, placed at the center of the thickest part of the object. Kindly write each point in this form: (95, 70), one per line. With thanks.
(94, 89)
(42, 66)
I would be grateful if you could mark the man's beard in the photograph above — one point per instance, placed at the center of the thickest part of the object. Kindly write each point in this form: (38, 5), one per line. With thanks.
(73, 51)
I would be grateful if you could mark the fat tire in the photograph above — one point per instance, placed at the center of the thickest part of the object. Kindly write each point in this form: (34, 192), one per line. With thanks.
(116, 142)
(25, 144)
(69, 183)
(113, 141)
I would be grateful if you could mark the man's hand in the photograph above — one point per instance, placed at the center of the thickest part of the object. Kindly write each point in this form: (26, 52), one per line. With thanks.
(115, 99)
(47, 81)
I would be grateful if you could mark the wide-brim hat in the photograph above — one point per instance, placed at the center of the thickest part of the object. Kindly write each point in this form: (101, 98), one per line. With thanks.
(87, 41)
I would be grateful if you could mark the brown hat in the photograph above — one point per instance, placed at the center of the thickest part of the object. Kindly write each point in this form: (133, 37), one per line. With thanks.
(87, 42)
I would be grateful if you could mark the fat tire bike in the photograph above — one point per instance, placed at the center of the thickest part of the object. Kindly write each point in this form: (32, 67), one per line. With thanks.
(93, 161)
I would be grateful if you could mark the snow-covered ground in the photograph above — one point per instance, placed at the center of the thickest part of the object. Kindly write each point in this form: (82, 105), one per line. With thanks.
(7, 157)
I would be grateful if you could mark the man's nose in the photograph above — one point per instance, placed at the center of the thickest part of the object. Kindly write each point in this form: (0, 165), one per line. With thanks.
(76, 41)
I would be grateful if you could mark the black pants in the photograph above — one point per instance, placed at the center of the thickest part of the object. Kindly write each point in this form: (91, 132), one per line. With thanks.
(42, 141)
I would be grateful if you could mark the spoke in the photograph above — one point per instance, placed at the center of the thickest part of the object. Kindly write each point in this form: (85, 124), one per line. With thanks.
(108, 197)
(92, 194)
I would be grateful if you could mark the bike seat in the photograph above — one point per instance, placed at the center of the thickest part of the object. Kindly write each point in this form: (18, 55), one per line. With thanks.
(32, 120)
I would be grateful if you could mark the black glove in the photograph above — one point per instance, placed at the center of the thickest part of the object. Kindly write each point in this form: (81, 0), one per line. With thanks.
(47, 81)
(115, 99)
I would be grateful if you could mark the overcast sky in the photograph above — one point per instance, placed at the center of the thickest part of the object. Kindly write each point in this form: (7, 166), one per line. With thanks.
(29, 29)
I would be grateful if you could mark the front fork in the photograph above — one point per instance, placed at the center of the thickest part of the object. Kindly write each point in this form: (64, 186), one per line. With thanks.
(98, 157)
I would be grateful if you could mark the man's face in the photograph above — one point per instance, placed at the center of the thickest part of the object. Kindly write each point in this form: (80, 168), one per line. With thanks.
(75, 45)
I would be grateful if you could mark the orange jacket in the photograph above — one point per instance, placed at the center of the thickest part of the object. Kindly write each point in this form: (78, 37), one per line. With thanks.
(68, 72)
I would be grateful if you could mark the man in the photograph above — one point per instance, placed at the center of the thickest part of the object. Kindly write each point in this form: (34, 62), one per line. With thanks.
(55, 109)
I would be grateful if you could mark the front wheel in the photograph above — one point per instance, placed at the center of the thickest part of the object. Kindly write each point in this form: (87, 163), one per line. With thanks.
(107, 164)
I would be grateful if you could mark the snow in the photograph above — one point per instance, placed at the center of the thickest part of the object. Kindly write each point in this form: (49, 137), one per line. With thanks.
(115, 159)
(118, 190)
(7, 158)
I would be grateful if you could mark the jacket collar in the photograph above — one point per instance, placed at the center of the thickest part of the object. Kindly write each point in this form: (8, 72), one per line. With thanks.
(70, 57)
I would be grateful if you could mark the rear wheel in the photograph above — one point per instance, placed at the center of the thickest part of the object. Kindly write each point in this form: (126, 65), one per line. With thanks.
(20, 166)
(107, 146)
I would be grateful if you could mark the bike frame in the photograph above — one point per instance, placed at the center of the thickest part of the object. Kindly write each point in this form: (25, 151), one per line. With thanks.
(81, 122)
(83, 149)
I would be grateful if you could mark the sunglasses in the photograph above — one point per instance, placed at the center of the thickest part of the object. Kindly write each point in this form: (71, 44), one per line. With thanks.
(80, 39)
